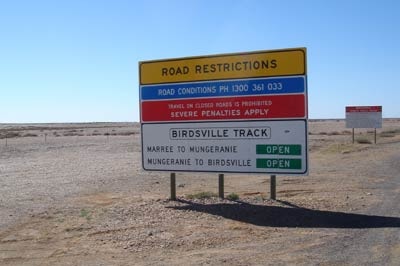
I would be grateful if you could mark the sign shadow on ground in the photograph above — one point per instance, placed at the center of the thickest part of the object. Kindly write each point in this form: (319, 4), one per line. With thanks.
(289, 216)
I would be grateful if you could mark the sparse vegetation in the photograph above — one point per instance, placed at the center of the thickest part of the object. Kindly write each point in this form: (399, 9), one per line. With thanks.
(260, 198)
(9, 135)
(122, 133)
(126, 133)
(13, 134)
(202, 195)
(341, 148)
(85, 214)
(69, 134)
(363, 140)
(232, 196)
(389, 133)
(72, 133)
(30, 135)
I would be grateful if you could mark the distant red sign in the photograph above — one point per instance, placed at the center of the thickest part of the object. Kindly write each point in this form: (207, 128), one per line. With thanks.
(362, 109)
(364, 116)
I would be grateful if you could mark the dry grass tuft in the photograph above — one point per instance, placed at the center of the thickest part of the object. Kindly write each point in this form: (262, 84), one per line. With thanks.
(362, 140)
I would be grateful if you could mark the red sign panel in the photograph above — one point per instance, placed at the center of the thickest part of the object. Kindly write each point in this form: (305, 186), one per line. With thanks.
(226, 108)
(363, 109)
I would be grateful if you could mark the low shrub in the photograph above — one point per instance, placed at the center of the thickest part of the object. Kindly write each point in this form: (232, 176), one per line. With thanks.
(387, 135)
(232, 196)
(69, 134)
(333, 133)
(84, 213)
(126, 133)
(10, 135)
(363, 141)
(30, 135)
(202, 195)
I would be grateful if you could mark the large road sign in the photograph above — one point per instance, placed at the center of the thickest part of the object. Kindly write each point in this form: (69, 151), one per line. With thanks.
(226, 113)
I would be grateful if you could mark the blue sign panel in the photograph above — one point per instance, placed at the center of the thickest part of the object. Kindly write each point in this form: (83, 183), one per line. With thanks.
(243, 87)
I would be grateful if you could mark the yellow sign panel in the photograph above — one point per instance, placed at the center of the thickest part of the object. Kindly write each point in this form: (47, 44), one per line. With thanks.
(228, 66)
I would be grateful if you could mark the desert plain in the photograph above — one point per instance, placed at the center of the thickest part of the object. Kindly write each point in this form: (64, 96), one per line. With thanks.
(76, 194)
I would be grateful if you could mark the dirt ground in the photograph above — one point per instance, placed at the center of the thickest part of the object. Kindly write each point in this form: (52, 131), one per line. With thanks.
(75, 194)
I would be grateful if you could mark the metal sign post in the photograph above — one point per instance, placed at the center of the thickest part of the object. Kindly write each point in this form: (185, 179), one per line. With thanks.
(273, 187)
(221, 186)
(173, 186)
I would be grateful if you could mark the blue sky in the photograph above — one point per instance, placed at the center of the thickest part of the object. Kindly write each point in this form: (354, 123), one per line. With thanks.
(77, 60)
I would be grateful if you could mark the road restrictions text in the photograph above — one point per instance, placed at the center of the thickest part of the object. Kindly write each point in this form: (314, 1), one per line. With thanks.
(230, 66)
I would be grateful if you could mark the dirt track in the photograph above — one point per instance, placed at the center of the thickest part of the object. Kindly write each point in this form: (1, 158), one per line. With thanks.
(82, 199)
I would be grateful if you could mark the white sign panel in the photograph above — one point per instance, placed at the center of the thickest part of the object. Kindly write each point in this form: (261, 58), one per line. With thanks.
(364, 117)
(248, 147)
